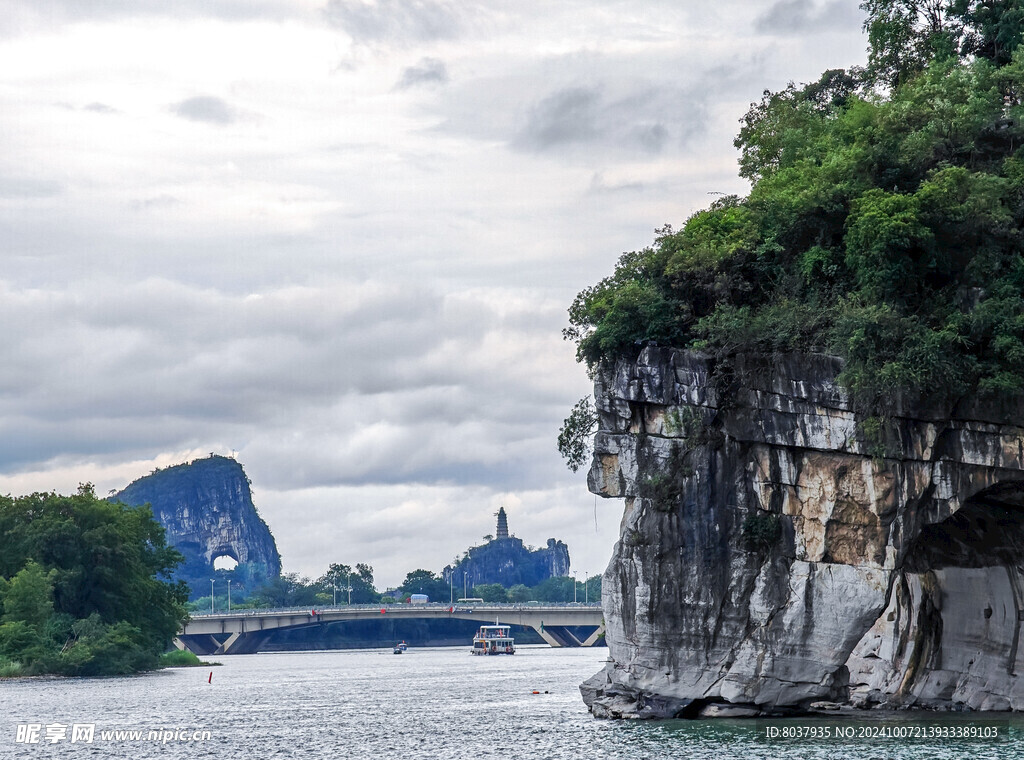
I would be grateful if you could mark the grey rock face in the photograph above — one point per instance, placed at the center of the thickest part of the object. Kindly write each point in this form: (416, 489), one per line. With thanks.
(207, 511)
(770, 558)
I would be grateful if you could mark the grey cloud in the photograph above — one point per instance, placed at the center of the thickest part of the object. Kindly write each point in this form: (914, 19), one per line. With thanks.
(428, 71)
(576, 117)
(339, 385)
(99, 108)
(599, 186)
(205, 108)
(788, 17)
(397, 20)
(56, 11)
(650, 137)
(156, 202)
(568, 116)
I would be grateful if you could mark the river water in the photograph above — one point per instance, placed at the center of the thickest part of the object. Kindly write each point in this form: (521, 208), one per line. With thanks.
(436, 703)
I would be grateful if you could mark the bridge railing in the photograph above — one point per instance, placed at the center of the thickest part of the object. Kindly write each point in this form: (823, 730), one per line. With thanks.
(464, 607)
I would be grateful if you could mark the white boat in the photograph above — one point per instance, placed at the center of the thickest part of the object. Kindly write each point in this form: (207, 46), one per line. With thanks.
(494, 639)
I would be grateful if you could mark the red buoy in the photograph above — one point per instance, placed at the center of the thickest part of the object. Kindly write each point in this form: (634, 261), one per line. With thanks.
(210, 679)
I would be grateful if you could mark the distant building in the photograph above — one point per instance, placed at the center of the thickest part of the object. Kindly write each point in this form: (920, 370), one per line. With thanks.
(502, 524)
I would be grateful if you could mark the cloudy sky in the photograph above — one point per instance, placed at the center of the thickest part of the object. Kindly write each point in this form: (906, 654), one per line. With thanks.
(338, 238)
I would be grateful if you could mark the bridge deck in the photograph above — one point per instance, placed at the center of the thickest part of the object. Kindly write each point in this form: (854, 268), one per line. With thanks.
(549, 620)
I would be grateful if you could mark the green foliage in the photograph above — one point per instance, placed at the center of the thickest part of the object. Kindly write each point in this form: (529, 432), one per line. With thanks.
(905, 34)
(429, 583)
(28, 596)
(97, 648)
(491, 592)
(577, 429)
(10, 668)
(519, 593)
(180, 658)
(84, 585)
(360, 578)
(993, 29)
(630, 307)
(25, 643)
(559, 589)
(761, 531)
(883, 222)
(287, 590)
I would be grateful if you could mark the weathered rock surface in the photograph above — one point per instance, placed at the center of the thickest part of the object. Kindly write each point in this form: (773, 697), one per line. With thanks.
(207, 510)
(768, 560)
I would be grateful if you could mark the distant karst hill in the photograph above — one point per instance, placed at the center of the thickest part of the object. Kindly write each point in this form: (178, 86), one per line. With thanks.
(507, 561)
(207, 510)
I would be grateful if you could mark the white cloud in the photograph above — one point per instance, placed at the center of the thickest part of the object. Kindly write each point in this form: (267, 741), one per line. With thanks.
(340, 240)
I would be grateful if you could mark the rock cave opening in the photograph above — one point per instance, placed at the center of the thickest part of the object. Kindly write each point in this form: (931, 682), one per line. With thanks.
(952, 628)
(225, 560)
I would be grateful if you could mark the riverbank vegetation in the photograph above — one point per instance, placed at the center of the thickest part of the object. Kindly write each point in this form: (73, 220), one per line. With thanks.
(182, 658)
(883, 223)
(83, 586)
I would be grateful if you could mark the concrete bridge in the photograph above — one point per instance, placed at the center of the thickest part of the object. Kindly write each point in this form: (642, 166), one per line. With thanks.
(244, 631)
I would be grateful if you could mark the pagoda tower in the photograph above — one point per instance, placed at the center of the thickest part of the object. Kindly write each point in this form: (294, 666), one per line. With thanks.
(502, 524)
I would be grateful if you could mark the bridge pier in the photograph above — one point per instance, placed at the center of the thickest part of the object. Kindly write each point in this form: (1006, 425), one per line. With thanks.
(546, 635)
(225, 648)
(594, 637)
(567, 636)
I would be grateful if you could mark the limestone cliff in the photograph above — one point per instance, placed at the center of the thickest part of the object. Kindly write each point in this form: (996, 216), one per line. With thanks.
(770, 558)
(207, 510)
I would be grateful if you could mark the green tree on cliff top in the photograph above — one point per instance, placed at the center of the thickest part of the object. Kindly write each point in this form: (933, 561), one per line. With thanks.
(883, 222)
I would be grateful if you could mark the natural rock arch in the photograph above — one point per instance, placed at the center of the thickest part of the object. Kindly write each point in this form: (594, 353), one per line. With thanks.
(207, 510)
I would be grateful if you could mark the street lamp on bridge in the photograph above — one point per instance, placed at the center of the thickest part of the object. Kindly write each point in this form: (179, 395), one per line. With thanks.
(211, 596)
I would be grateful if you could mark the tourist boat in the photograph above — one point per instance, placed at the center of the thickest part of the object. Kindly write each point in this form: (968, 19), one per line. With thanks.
(494, 639)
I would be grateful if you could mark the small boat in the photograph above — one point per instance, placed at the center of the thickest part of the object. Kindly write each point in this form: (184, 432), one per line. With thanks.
(403, 646)
(397, 649)
(494, 639)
